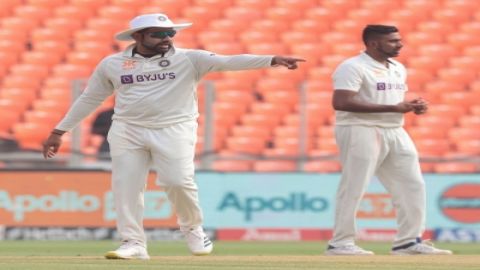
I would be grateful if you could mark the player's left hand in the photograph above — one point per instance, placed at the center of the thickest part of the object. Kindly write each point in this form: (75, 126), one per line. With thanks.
(289, 62)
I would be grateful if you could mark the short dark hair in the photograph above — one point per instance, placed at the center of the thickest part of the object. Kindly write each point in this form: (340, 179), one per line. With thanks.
(372, 31)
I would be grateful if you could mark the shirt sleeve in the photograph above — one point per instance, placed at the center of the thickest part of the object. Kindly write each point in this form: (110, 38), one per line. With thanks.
(347, 76)
(205, 61)
(99, 87)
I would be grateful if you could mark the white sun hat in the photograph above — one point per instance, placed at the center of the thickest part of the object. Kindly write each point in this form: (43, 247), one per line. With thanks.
(149, 20)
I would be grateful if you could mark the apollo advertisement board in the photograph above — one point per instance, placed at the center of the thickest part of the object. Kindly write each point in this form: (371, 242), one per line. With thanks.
(66, 199)
(247, 205)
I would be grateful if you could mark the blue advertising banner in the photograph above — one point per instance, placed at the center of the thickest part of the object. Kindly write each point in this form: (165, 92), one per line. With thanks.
(250, 200)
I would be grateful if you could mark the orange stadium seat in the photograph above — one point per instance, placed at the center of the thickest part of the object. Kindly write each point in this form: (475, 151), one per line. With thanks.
(12, 34)
(8, 59)
(462, 40)
(21, 82)
(310, 25)
(255, 4)
(231, 108)
(274, 166)
(220, 4)
(286, 98)
(90, 59)
(262, 36)
(464, 133)
(296, 4)
(44, 117)
(241, 14)
(245, 145)
(269, 26)
(323, 14)
(435, 27)
(456, 167)
(432, 147)
(275, 84)
(426, 62)
(322, 166)
(260, 120)
(267, 48)
(468, 147)
(325, 146)
(119, 13)
(249, 76)
(294, 37)
(9, 118)
(447, 109)
(18, 94)
(31, 135)
(451, 16)
(465, 62)
(36, 14)
(362, 17)
(380, 5)
(227, 24)
(132, 4)
(91, 4)
(50, 34)
(13, 47)
(431, 132)
(72, 71)
(12, 105)
(291, 131)
(18, 24)
(242, 98)
(471, 28)
(469, 121)
(269, 108)
(72, 12)
(52, 47)
(253, 131)
(46, 3)
(435, 120)
(457, 75)
(282, 14)
(232, 165)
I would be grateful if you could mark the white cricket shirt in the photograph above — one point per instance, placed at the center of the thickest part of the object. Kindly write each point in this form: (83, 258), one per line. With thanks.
(154, 92)
(375, 83)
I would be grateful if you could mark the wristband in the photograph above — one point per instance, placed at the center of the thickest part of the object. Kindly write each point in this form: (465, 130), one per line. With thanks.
(57, 133)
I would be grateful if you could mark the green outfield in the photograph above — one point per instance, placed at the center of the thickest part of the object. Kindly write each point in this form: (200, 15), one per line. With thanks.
(72, 255)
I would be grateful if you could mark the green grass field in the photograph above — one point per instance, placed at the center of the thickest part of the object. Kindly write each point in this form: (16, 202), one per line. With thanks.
(72, 255)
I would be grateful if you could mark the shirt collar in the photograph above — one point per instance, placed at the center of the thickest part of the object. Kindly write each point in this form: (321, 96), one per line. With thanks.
(375, 62)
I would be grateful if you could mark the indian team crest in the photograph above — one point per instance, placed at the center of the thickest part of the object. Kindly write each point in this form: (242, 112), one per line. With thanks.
(164, 63)
(162, 18)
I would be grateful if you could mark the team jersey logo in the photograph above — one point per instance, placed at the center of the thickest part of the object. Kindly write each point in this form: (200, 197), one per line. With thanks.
(129, 64)
(164, 63)
(126, 79)
(381, 86)
(129, 79)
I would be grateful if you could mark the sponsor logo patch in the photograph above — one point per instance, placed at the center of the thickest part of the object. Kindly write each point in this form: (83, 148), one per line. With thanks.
(126, 79)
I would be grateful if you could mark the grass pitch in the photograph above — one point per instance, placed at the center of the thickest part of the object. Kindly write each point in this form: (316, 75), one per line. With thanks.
(73, 255)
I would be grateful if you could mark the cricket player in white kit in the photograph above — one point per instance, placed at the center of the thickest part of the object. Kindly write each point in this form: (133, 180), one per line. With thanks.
(154, 124)
(369, 103)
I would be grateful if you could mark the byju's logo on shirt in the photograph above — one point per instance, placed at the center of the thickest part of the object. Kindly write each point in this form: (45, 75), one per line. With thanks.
(128, 79)
(381, 86)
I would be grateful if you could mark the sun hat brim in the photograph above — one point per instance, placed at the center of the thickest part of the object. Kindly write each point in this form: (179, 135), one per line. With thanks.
(127, 34)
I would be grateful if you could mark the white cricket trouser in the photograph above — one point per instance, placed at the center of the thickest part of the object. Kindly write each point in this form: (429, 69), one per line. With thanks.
(170, 151)
(390, 154)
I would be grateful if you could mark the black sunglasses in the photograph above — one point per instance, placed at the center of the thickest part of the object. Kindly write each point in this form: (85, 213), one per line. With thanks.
(163, 34)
